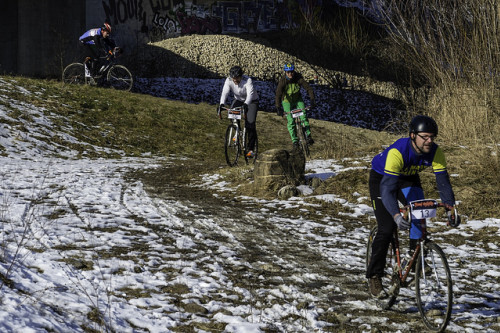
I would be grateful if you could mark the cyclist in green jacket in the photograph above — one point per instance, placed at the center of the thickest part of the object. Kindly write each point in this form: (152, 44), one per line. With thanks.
(288, 97)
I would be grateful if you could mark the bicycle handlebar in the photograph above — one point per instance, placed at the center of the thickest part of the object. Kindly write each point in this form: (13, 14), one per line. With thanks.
(236, 108)
(298, 109)
(426, 208)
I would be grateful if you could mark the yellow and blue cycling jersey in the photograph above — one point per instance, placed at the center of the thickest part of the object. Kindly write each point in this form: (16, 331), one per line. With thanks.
(400, 159)
(401, 162)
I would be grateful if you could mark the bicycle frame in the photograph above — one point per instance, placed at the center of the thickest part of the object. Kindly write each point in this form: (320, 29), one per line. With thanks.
(432, 279)
(235, 142)
(421, 210)
(300, 128)
(235, 115)
(110, 74)
(108, 61)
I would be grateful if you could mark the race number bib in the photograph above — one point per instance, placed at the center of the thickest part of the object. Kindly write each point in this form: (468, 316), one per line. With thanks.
(423, 209)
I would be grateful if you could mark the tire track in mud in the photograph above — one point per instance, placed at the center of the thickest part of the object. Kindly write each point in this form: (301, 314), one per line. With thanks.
(284, 251)
(317, 261)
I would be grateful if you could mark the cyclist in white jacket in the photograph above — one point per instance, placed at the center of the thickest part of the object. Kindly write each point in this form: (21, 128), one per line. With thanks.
(244, 95)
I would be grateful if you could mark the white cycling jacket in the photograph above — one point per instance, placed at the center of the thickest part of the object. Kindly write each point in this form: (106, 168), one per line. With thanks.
(244, 91)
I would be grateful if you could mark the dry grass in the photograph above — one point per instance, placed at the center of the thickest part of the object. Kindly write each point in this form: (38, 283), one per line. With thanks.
(454, 50)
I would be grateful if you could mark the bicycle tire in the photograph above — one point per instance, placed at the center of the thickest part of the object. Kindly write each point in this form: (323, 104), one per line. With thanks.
(120, 78)
(232, 148)
(245, 148)
(74, 73)
(434, 289)
(302, 139)
(391, 278)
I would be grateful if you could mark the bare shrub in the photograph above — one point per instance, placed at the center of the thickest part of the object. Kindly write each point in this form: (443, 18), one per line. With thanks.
(455, 48)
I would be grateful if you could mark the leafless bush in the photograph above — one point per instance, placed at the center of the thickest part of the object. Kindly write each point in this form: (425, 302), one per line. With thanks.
(455, 46)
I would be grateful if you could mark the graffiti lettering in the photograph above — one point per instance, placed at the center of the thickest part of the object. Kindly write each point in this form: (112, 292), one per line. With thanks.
(119, 11)
(165, 5)
(165, 23)
(247, 16)
(198, 25)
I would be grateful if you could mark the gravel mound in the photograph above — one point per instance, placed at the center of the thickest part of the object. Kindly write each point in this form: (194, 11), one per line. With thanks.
(211, 56)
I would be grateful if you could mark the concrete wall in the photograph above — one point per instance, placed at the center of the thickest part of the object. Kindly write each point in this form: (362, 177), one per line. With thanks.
(40, 37)
(37, 35)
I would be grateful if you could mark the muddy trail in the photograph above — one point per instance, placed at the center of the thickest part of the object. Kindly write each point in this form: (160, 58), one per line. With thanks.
(315, 260)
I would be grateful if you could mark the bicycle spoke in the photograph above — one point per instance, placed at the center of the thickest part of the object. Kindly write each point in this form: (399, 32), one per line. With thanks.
(74, 74)
(232, 145)
(120, 78)
(434, 288)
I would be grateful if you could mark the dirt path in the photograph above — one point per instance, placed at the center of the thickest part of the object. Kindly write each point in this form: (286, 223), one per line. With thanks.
(314, 259)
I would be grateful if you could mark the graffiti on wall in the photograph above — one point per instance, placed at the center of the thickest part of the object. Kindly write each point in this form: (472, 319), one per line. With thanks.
(159, 19)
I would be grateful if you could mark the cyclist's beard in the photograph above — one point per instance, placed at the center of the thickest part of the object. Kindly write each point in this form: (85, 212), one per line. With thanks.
(424, 148)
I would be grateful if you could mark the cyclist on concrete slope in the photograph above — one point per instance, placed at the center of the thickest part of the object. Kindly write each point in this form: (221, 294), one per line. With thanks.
(244, 95)
(394, 176)
(96, 42)
(288, 97)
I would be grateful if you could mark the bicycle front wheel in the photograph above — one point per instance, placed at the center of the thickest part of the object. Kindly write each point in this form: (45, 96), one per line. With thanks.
(301, 133)
(390, 279)
(232, 145)
(434, 287)
(120, 78)
(74, 74)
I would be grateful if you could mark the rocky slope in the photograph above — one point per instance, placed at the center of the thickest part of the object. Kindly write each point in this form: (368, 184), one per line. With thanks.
(211, 56)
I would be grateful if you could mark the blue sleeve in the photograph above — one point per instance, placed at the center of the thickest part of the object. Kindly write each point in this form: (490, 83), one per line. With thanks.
(444, 188)
(389, 194)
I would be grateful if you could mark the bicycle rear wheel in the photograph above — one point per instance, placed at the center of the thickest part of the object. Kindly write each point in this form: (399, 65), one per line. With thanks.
(390, 279)
(120, 78)
(434, 287)
(232, 145)
(301, 133)
(74, 74)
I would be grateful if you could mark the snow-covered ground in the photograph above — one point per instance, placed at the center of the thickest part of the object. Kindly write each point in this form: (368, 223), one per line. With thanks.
(85, 248)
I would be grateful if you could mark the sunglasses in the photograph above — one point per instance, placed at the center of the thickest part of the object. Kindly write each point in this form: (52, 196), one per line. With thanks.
(427, 137)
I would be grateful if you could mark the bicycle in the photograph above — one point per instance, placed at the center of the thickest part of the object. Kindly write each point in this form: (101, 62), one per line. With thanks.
(236, 139)
(432, 279)
(110, 74)
(301, 129)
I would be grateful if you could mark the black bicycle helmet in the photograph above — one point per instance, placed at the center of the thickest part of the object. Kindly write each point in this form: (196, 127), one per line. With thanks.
(422, 123)
(235, 71)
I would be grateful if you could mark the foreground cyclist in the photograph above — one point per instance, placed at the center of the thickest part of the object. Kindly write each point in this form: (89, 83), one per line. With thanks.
(244, 95)
(96, 43)
(288, 97)
(394, 176)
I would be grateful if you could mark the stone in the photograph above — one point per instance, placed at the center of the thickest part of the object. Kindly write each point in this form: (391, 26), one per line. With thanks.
(277, 168)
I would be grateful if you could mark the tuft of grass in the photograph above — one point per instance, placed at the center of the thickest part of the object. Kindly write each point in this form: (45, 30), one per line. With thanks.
(141, 124)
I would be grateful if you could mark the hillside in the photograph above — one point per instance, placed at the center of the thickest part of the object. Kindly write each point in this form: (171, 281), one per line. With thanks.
(119, 214)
